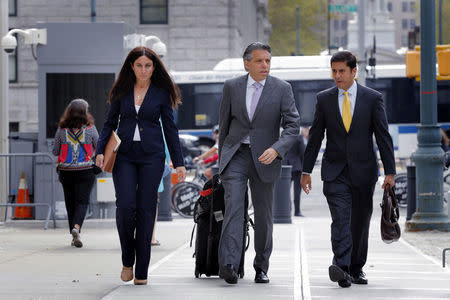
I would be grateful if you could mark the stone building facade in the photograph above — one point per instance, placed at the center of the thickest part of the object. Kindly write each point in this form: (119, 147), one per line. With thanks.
(197, 33)
(401, 14)
(405, 16)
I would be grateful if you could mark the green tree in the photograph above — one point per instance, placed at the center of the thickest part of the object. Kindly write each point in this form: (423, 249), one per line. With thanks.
(313, 26)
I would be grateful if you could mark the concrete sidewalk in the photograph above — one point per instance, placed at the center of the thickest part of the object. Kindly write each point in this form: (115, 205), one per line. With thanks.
(39, 264)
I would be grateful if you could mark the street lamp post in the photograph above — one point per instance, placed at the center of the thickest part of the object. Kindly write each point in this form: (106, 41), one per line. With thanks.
(4, 122)
(429, 157)
(297, 27)
(361, 42)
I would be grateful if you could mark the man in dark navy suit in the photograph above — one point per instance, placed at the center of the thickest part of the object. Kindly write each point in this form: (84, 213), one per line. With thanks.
(350, 114)
(294, 158)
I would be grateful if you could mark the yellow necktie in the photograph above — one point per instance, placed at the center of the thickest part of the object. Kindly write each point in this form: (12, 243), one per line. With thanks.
(346, 112)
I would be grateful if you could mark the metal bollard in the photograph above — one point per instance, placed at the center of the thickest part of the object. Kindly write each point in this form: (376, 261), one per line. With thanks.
(282, 197)
(411, 193)
(165, 205)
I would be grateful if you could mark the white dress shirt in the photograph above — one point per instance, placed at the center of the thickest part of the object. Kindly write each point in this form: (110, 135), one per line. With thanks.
(248, 100)
(137, 135)
(351, 95)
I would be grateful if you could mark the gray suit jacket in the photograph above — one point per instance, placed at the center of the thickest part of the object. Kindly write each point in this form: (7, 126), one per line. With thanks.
(276, 107)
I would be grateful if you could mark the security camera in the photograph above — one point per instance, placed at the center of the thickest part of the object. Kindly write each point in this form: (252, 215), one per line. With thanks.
(31, 36)
(155, 44)
(9, 43)
(160, 49)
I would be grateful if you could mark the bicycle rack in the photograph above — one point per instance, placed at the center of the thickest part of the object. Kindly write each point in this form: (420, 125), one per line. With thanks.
(443, 256)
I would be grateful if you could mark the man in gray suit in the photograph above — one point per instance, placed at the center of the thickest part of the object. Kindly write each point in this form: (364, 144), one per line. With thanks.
(253, 108)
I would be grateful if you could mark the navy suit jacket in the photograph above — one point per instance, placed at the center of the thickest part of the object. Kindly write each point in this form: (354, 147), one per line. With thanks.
(355, 148)
(156, 105)
(294, 157)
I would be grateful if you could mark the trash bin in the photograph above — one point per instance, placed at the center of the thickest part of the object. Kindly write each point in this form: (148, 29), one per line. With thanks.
(411, 175)
(282, 197)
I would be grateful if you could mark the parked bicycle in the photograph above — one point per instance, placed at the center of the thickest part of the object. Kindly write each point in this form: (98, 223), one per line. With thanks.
(185, 194)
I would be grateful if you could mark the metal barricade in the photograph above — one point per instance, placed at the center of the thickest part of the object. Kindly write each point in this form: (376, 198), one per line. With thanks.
(51, 205)
(443, 256)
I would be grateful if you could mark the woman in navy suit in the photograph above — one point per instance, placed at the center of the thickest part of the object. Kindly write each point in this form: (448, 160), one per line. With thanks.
(142, 94)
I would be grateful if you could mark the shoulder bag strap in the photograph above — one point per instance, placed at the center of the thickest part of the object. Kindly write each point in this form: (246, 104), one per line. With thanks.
(82, 146)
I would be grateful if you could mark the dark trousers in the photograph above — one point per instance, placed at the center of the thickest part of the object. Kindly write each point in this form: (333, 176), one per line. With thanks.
(136, 177)
(351, 209)
(296, 178)
(77, 186)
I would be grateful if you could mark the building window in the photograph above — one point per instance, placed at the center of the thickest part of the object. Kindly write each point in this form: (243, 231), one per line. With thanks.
(344, 24)
(412, 6)
(12, 65)
(404, 40)
(404, 24)
(154, 11)
(404, 6)
(12, 8)
(412, 24)
(336, 41)
(389, 6)
(13, 126)
(336, 24)
(344, 41)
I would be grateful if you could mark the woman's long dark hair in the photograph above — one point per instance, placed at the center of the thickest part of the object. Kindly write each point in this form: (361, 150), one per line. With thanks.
(160, 77)
(76, 115)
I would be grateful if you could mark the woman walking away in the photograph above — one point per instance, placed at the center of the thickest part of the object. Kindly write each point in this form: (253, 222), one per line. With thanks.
(142, 94)
(75, 144)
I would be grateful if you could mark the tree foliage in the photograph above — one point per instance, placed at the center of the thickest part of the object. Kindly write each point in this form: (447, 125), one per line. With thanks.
(313, 26)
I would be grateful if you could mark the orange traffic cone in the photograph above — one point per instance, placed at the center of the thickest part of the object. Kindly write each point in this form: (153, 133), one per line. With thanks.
(23, 212)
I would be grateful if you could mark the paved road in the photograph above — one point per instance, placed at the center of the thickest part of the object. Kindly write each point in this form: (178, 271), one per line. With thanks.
(38, 264)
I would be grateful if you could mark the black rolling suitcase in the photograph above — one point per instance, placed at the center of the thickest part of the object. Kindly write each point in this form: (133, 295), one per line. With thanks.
(208, 216)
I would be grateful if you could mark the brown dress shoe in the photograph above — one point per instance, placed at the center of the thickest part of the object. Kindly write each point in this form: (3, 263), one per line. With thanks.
(140, 281)
(127, 274)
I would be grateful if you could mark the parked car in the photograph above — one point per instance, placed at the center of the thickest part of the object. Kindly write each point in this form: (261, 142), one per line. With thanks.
(193, 145)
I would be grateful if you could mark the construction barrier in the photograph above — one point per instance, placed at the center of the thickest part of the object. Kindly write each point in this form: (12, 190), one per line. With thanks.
(24, 213)
(23, 196)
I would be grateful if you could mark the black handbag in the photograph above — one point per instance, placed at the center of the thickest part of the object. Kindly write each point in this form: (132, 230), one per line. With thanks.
(96, 169)
(390, 229)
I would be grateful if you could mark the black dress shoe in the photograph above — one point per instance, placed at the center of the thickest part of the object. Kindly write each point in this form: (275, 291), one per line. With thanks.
(345, 283)
(359, 278)
(261, 277)
(229, 274)
(339, 275)
(297, 214)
